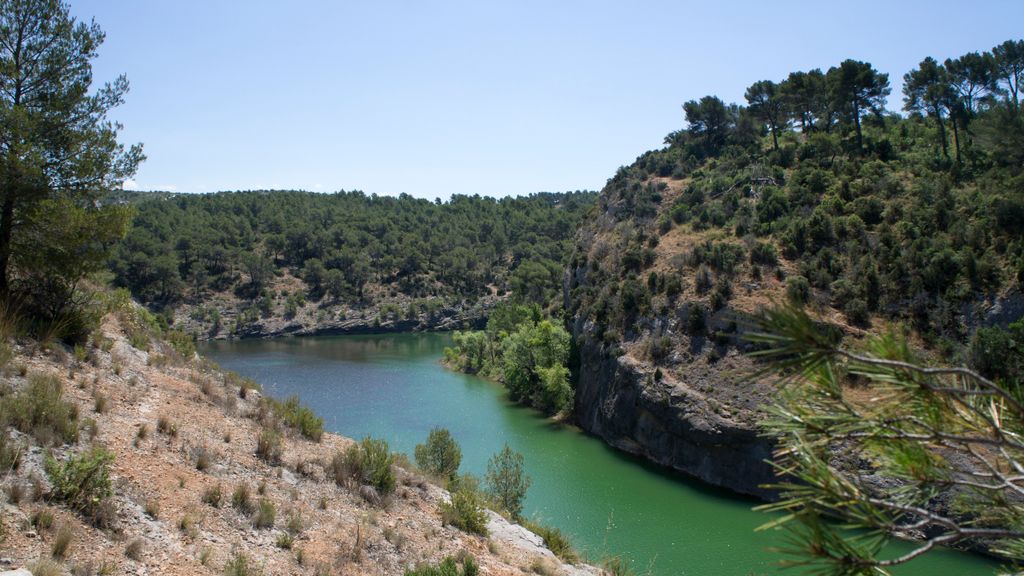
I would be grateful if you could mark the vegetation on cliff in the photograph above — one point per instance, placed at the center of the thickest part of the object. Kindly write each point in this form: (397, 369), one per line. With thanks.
(816, 194)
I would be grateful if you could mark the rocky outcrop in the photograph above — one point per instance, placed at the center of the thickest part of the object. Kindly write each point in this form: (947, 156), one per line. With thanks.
(669, 422)
(445, 319)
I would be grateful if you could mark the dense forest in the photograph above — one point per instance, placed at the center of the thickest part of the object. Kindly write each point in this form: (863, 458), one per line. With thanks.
(345, 247)
(815, 186)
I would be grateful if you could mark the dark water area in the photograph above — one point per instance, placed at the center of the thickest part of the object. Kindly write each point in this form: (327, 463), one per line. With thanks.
(394, 387)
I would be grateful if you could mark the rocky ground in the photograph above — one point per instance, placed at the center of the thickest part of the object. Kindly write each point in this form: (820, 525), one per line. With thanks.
(162, 524)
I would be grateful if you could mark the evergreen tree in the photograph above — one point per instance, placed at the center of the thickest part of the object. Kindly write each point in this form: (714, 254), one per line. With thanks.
(506, 481)
(58, 150)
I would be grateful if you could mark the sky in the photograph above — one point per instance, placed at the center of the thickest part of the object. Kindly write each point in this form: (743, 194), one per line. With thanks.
(471, 97)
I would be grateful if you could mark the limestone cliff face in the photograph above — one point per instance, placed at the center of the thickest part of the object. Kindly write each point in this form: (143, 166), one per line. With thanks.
(663, 371)
(668, 422)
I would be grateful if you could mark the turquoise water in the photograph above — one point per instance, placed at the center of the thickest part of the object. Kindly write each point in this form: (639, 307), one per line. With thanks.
(393, 386)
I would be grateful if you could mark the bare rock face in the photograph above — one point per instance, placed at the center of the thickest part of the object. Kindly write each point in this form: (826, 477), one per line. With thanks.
(669, 422)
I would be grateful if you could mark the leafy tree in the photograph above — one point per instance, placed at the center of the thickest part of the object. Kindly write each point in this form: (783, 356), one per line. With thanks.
(58, 150)
(855, 88)
(938, 434)
(806, 99)
(769, 106)
(1009, 69)
(506, 481)
(440, 455)
(927, 89)
(971, 76)
(711, 121)
(260, 270)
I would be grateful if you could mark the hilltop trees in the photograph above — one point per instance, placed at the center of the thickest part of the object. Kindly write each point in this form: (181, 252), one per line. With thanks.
(929, 90)
(58, 153)
(856, 88)
(1008, 62)
(768, 105)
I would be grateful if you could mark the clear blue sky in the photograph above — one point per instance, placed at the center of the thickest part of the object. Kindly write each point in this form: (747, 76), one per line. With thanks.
(436, 98)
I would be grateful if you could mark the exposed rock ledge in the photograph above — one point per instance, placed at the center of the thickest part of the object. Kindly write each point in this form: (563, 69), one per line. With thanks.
(669, 422)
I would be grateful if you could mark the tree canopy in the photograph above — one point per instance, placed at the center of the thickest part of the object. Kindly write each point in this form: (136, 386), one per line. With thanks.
(59, 154)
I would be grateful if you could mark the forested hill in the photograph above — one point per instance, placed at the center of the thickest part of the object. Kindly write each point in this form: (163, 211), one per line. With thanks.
(231, 261)
(813, 192)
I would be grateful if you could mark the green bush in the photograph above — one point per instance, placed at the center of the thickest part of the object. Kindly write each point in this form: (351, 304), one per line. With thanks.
(269, 447)
(367, 462)
(182, 343)
(465, 511)
(448, 567)
(440, 455)
(40, 410)
(242, 565)
(555, 541)
(295, 416)
(241, 500)
(265, 515)
(82, 482)
(213, 495)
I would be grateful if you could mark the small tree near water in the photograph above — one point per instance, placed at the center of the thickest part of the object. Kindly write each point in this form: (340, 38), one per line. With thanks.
(506, 481)
(440, 455)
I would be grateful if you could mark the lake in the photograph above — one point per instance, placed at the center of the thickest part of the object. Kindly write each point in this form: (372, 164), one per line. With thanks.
(394, 387)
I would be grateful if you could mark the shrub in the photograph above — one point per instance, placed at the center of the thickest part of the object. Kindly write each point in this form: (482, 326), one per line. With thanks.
(10, 452)
(856, 312)
(42, 519)
(367, 462)
(62, 542)
(294, 525)
(100, 402)
(213, 495)
(447, 567)
(134, 549)
(202, 458)
(39, 410)
(440, 455)
(265, 515)
(285, 541)
(241, 565)
(152, 509)
(300, 418)
(555, 541)
(165, 426)
(269, 447)
(182, 344)
(241, 500)
(45, 567)
(798, 290)
(82, 482)
(465, 512)
(187, 525)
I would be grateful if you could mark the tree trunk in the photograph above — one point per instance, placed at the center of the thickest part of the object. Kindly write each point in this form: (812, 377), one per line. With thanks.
(942, 135)
(6, 221)
(956, 140)
(775, 137)
(856, 122)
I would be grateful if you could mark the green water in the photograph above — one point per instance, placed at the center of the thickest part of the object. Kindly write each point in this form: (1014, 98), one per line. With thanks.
(392, 386)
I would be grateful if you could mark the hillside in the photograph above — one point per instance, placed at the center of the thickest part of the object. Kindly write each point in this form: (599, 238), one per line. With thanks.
(192, 488)
(262, 263)
(868, 218)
